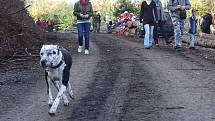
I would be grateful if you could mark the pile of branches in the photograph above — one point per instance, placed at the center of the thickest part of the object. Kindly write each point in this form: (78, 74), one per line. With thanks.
(18, 32)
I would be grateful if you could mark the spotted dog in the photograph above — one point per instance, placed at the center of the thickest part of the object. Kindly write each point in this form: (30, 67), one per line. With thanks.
(57, 63)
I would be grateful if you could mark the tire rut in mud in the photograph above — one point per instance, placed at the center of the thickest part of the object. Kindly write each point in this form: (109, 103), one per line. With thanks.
(138, 100)
(105, 76)
(142, 99)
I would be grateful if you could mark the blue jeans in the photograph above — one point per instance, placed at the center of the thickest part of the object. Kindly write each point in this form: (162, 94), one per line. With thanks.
(84, 31)
(98, 27)
(192, 40)
(107, 27)
(148, 39)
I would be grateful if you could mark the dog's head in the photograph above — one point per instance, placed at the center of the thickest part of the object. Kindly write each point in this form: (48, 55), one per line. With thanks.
(50, 56)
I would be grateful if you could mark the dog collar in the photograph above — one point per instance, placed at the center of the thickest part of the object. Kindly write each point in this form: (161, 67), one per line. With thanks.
(55, 67)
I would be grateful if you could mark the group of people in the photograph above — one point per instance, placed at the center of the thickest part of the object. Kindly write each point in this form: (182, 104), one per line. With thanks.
(151, 16)
(45, 25)
(125, 24)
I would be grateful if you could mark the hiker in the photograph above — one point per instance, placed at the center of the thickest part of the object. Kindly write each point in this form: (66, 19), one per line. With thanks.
(193, 27)
(98, 22)
(206, 22)
(94, 21)
(148, 16)
(37, 22)
(83, 11)
(161, 22)
(42, 24)
(107, 21)
(50, 24)
(178, 12)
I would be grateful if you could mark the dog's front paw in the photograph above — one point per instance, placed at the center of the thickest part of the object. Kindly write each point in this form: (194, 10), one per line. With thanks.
(66, 103)
(50, 102)
(52, 113)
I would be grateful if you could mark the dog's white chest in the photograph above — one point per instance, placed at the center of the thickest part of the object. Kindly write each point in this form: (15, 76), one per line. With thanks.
(56, 74)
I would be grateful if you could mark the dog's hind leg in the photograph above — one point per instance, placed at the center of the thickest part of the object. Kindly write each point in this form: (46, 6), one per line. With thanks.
(65, 99)
(57, 100)
(70, 91)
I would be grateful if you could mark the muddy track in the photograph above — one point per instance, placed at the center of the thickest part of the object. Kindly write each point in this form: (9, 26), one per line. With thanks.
(118, 81)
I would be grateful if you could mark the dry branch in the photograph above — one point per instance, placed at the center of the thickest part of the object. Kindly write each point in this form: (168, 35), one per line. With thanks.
(19, 10)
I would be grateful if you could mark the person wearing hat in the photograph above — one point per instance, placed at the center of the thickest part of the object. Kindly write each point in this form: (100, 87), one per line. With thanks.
(193, 27)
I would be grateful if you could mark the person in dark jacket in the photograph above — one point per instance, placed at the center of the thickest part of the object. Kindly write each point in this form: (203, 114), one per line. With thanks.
(206, 22)
(50, 24)
(193, 27)
(161, 21)
(98, 22)
(148, 16)
(83, 11)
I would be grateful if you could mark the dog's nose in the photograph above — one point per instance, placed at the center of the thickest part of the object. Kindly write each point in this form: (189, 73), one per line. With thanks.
(43, 63)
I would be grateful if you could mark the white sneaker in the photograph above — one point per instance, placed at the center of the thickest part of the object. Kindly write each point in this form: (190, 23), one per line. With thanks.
(80, 49)
(86, 52)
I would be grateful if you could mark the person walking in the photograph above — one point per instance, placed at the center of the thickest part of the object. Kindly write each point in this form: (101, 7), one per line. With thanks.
(50, 24)
(161, 22)
(178, 12)
(94, 21)
(37, 22)
(193, 27)
(42, 24)
(107, 21)
(83, 11)
(206, 22)
(148, 16)
(98, 22)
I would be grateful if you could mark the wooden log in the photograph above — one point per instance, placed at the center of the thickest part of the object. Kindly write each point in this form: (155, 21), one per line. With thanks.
(204, 40)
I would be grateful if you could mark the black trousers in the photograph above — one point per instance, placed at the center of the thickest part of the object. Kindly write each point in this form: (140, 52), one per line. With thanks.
(163, 30)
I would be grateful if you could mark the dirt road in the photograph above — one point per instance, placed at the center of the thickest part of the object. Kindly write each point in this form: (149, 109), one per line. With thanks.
(118, 81)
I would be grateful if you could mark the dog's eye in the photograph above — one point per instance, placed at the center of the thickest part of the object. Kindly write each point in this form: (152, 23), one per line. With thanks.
(41, 54)
(54, 52)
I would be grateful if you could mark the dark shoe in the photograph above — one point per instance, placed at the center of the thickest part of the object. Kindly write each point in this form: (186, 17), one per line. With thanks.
(175, 47)
(178, 49)
(147, 48)
(192, 48)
